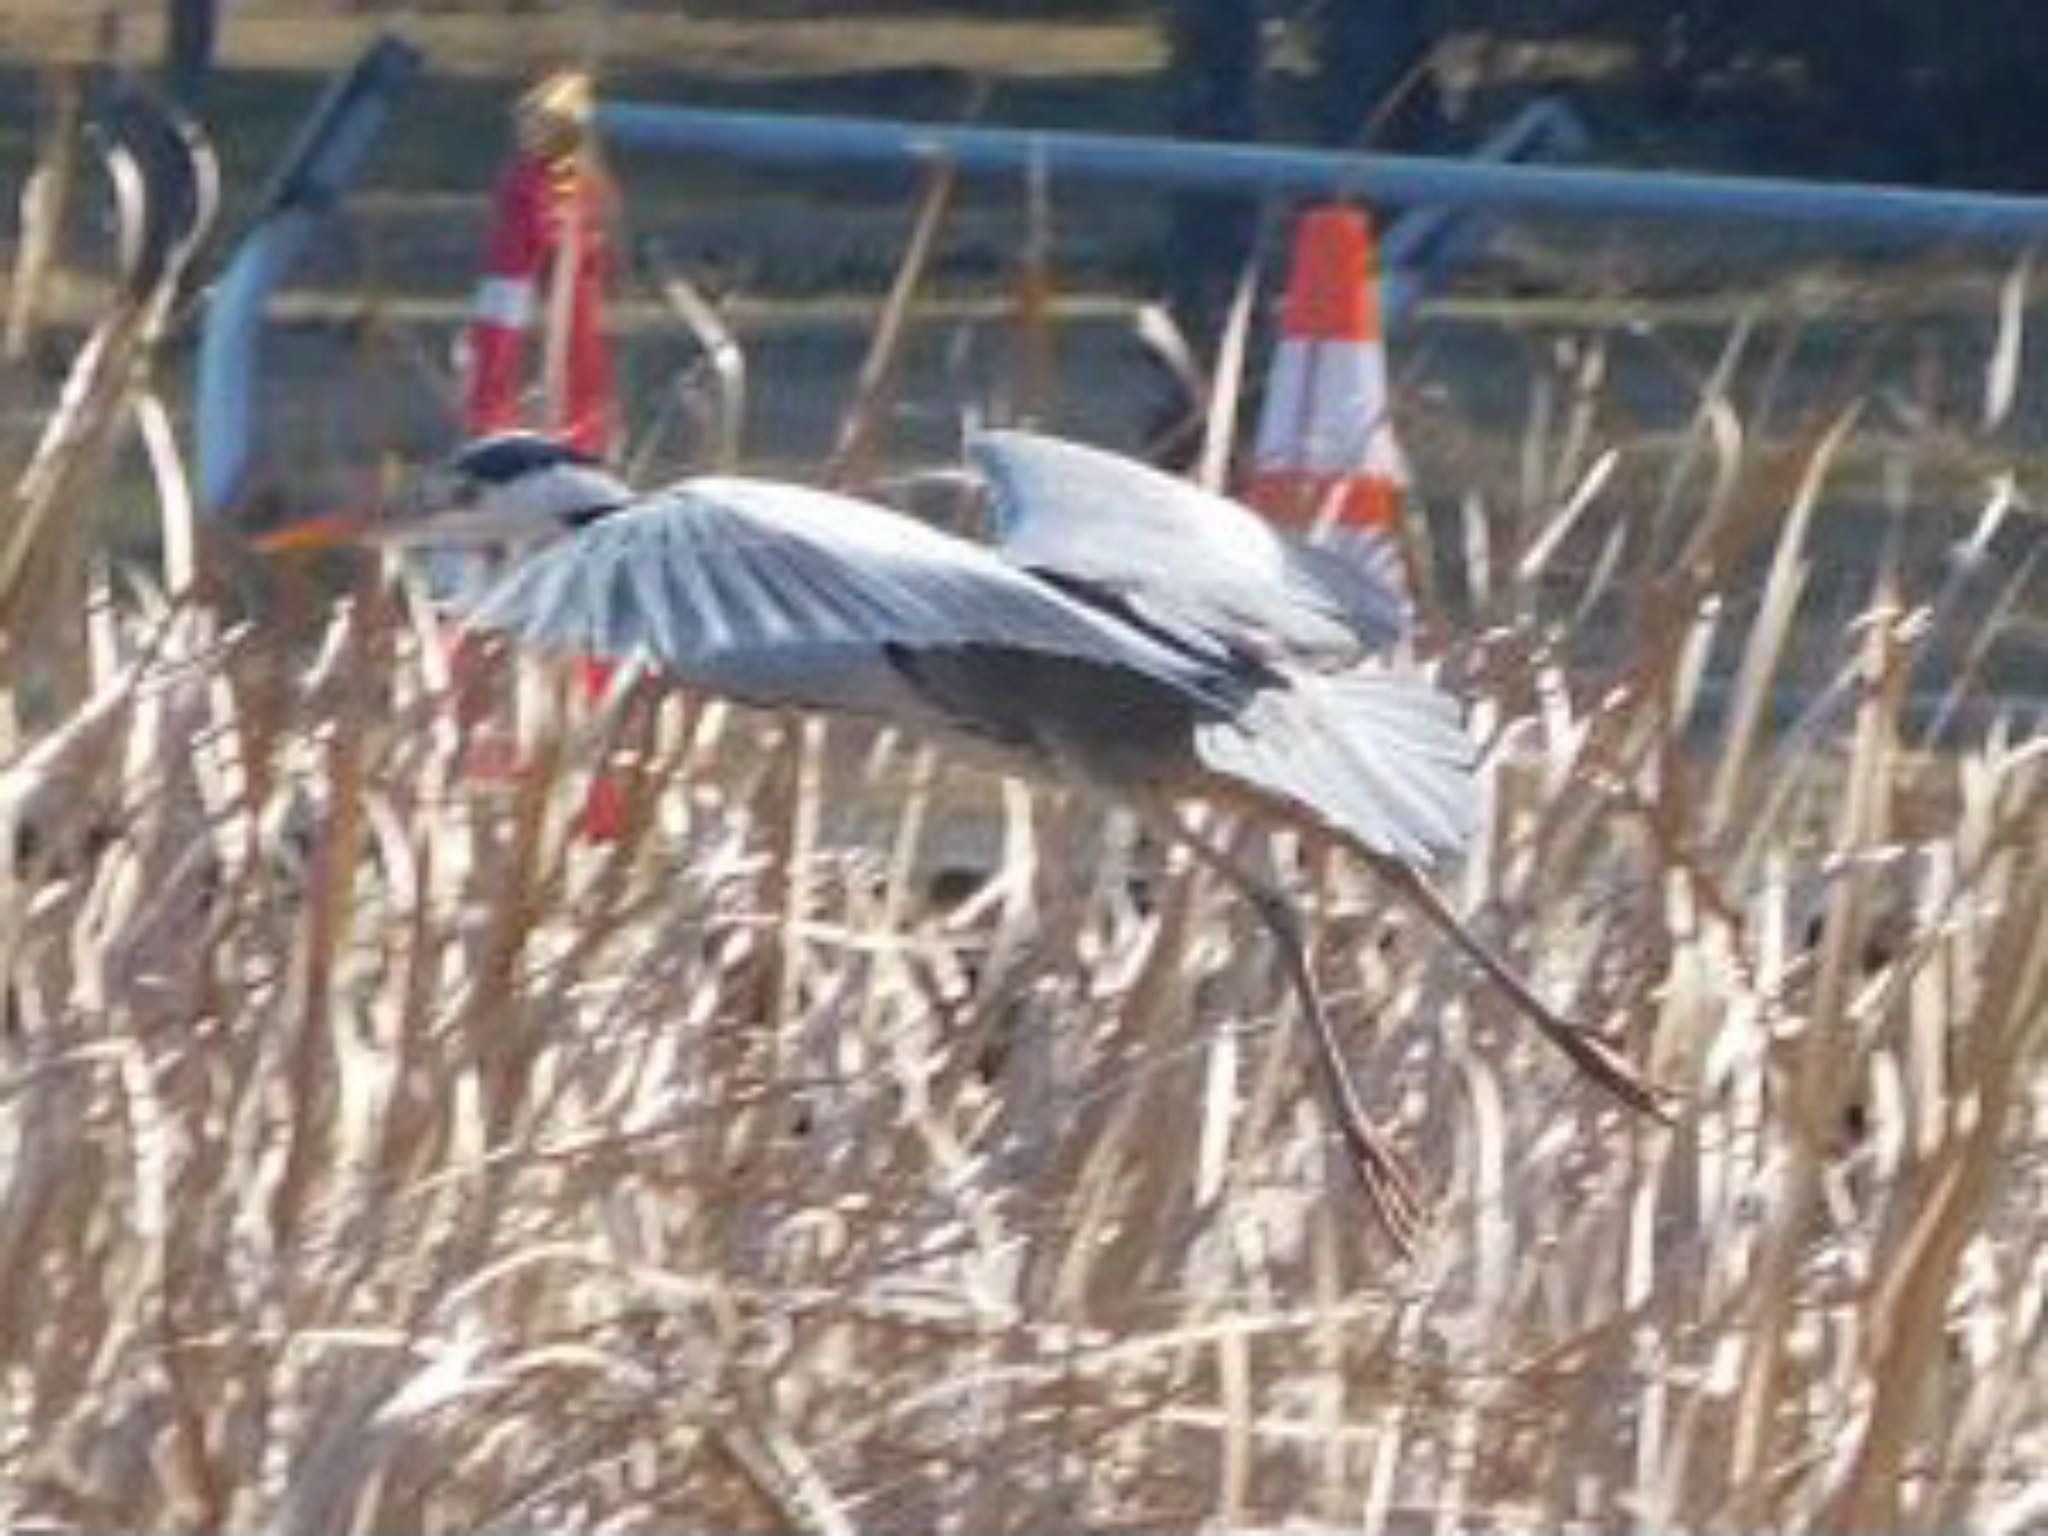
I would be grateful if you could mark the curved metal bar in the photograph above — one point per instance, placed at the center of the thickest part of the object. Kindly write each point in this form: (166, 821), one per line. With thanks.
(227, 352)
(1491, 186)
(322, 162)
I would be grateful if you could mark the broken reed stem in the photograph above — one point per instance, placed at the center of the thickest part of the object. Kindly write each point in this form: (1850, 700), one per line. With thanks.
(45, 201)
(867, 415)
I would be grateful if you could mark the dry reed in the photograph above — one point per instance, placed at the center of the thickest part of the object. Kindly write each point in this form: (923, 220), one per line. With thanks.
(376, 1154)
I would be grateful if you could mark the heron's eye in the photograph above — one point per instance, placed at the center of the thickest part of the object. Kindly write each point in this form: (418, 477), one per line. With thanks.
(442, 490)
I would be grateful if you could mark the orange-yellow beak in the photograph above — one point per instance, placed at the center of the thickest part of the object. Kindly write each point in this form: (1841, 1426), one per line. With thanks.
(328, 532)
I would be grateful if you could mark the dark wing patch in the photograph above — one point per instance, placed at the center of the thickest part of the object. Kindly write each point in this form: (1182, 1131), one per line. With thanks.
(1197, 644)
(1115, 725)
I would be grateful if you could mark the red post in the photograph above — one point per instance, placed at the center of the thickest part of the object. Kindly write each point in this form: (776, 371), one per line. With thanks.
(548, 261)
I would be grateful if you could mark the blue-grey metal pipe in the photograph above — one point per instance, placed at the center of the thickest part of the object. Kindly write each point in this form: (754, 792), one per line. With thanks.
(224, 409)
(1399, 179)
(311, 180)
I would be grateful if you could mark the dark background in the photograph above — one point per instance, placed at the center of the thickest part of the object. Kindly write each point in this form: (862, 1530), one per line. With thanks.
(1902, 89)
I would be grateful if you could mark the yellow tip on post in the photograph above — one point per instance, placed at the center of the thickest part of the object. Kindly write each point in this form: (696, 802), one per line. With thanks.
(553, 115)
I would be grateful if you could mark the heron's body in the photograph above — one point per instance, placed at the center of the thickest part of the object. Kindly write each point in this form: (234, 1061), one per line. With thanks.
(1103, 668)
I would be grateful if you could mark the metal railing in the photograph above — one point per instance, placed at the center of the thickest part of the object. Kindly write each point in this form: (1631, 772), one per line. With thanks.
(1491, 186)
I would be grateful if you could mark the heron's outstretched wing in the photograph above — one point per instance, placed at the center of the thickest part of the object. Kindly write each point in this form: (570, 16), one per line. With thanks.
(784, 595)
(1182, 556)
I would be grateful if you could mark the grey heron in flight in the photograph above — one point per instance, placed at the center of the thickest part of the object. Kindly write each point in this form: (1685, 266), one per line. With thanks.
(1125, 629)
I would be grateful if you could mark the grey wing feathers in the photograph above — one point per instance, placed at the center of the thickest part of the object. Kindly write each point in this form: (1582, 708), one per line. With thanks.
(1382, 757)
(782, 594)
(1174, 549)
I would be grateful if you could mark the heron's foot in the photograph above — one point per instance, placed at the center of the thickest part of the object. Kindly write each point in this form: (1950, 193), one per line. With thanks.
(1383, 1175)
(1601, 1061)
(1390, 1189)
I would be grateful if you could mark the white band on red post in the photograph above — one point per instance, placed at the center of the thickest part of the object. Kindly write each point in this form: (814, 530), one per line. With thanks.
(505, 302)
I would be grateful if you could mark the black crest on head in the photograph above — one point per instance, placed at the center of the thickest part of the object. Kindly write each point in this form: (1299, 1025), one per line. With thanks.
(507, 456)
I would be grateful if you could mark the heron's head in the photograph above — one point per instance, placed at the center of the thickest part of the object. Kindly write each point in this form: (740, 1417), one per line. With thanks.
(507, 488)
(520, 481)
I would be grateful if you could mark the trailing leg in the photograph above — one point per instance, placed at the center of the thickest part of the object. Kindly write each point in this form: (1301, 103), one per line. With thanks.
(1388, 1186)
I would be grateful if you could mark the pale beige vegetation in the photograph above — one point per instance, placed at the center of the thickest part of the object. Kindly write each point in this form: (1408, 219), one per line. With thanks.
(378, 1156)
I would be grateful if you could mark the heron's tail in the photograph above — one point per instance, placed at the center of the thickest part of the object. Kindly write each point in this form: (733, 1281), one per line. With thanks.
(1383, 760)
(1381, 757)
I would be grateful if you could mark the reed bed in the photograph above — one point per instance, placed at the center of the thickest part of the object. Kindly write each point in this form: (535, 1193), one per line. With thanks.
(858, 1142)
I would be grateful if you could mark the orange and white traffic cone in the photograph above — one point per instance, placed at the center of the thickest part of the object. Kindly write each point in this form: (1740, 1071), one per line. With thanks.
(1325, 458)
